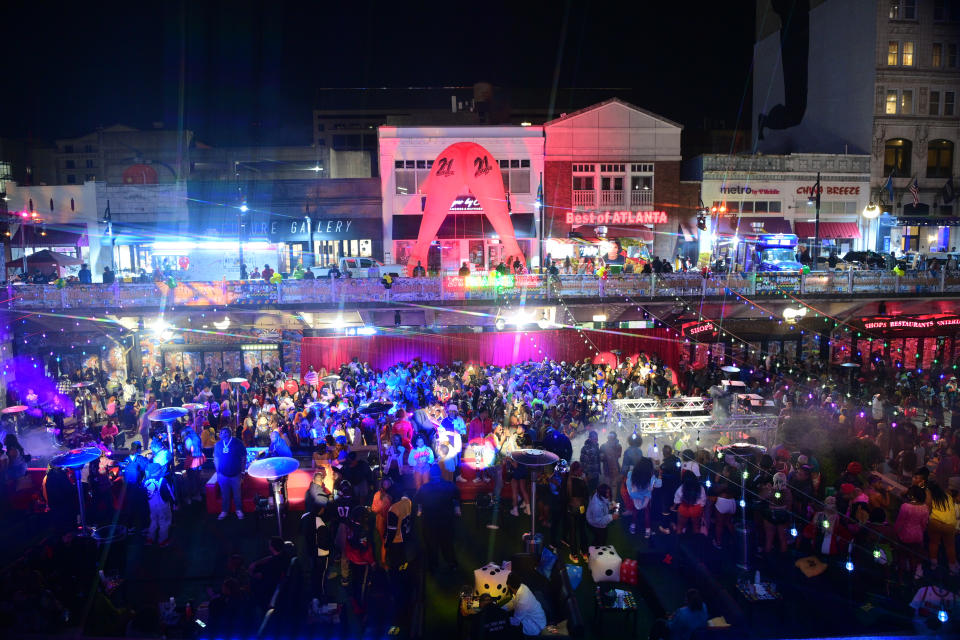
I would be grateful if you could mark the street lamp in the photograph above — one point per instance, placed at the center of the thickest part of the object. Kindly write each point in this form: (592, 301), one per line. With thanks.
(871, 211)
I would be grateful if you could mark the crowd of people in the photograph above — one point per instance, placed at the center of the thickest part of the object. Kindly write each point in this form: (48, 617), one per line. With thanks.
(889, 508)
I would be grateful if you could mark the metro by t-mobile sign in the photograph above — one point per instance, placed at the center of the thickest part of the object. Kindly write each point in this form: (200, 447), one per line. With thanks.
(617, 217)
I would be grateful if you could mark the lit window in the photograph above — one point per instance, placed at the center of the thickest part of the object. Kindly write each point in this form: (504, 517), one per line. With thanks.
(906, 101)
(939, 159)
(907, 54)
(936, 59)
(893, 53)
(896, 157)
(891, 101)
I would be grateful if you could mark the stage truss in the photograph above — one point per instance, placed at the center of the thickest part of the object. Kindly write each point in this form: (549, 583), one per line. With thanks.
(651, 417)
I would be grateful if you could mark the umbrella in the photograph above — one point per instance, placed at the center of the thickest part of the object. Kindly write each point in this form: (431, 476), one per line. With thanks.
(374, 408)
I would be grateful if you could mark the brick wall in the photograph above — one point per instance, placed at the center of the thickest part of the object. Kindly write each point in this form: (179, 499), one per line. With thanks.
(557, 197)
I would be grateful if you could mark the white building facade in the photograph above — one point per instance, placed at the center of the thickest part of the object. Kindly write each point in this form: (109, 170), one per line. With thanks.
(752, 194)
(466, 236)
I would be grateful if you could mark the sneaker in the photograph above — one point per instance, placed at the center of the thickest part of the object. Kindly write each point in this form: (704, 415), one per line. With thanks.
(477, 480)
(633, 528)
(526, 509)
(222, 516)
(514, 512)
(461, 479)
(648, 532)
(493, 526)
(239, 514)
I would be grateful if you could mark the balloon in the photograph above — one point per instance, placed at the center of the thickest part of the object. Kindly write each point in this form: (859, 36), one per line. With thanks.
(60, 282)
(291, 386)
(805, 270)
(171, 282)
(276, 278)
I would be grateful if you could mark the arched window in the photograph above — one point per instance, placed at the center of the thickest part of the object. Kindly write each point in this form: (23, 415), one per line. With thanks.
(939, 159)
(896, 157)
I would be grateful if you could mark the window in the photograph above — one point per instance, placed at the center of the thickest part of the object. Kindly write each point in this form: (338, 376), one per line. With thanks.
(88, 148)
(641, 168)
(948, 101)
(584, 168)
(89, 164)
(934, 103)
(405, 177)
(893, 53)
(583, 183)
(891, 102)
(952, 53)
(939, 10)
(903, 9)
(68, 148)
(612, 168)
(70, 164)
(516, 175)
(611, 183)
(907, 58)
(939, 159)
(936, 59)
(760, 207)
(896, 157)
(89, 177)
(774, 206)
(641, 183)
(906, 101)
(71, 179)
(5, 171)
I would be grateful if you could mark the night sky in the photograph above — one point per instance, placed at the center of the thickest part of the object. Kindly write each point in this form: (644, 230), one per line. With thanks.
(250, 71)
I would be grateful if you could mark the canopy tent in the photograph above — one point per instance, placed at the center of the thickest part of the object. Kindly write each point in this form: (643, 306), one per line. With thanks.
(47, 261)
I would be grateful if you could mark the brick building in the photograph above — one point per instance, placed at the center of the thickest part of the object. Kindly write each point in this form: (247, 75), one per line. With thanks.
(612, 178)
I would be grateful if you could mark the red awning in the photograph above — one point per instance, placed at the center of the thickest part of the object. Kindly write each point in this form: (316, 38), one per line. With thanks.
(753, 226)
(829, 230)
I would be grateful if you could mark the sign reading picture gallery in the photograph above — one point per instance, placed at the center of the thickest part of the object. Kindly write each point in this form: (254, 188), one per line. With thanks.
(460, 195)
(281, 223)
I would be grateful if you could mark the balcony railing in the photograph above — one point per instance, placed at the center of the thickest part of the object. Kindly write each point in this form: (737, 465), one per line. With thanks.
(119, 296)
(585, 198)
(640, 197)
(611, 198)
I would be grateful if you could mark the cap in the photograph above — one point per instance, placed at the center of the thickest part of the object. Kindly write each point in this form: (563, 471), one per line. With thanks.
(846, 488)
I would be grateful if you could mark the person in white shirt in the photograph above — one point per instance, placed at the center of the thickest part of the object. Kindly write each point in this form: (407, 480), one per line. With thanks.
(527, 611)
(876, 408)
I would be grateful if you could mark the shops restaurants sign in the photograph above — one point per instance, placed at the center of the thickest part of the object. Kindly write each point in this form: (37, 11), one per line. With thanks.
(617, 217)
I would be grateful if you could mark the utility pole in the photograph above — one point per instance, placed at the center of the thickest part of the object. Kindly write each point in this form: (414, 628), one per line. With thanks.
(816, 224)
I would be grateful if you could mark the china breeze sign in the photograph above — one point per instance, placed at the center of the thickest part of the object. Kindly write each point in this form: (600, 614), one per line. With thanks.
(617, 217)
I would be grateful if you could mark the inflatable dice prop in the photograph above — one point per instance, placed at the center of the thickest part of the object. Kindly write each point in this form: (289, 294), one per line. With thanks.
(628, 572)
(605, 564)
(490, 579)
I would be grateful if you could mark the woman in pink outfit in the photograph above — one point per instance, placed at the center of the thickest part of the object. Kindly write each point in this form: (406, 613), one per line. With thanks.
(910, 526)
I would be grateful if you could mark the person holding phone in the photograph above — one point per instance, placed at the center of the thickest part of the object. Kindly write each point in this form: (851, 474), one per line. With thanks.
(600, 513)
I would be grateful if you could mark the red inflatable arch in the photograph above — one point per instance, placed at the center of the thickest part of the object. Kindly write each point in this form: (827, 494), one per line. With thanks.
(464, 164)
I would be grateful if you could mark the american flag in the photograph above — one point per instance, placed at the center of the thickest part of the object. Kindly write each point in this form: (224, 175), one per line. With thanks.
(915, 191)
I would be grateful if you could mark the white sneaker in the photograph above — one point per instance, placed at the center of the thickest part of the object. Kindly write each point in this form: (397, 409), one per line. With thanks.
(222, 516)
(633, 528)
(647, 533)
(461, 479)
(514, 512)
(526, 509)
(477, 480)
(239, 514)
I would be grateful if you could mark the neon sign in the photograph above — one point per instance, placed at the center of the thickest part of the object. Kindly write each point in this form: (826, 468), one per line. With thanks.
(911, 323)
(617, 217)
(490, 281)
(466, 203)
(698, 328)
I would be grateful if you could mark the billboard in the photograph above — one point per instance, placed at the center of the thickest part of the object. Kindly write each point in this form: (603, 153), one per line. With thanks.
(813, 76)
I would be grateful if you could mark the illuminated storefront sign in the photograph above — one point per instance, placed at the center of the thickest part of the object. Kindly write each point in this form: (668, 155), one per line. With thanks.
(699, 329)
(750, 191)
(828, 190)
(490, 281)
(617, 217)
(922, 322)
(466, 203)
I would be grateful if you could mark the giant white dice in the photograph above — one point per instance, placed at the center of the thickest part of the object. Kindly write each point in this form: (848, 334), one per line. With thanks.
(605, 564)
(490, 579)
